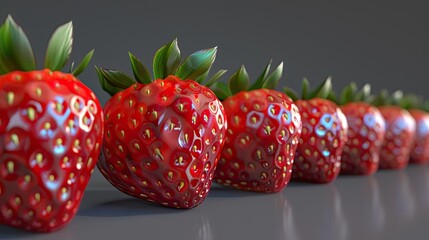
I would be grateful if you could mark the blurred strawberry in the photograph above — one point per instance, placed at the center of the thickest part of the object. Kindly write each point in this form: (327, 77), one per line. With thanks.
(400, 131)
(416, 107)
(365, 135)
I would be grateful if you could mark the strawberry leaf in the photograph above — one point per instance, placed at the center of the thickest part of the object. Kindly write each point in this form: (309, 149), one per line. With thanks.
(332, 97)
(323, 90)
(159, 61)
(348, 93)
(215, 77)
(425, 106)
(221, 90)
(291, 93)
(141, 74)
(239, 81)
(173, 58)
(15, 49)
(110, 89)
(272, 80)
(166, 60)
(201, 78)
(366, 92)
(117, 78)
(381, 99)
(397, 97)
(83, 64)
(305, 88)
(261, 79)
(3, 69)
(197, 64)
(59, 47)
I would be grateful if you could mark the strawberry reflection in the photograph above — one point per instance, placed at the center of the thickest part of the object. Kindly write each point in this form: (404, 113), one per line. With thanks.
(419, 183)
(362, 206)
(397, 197)
(245, 215)
(316, 213)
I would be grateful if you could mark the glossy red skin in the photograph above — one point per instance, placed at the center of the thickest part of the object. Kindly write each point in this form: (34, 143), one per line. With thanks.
(254, 158)
(365, 136)
(324, 134)
(420, 151)
(42, 179)
(399, 137)
(147, 157)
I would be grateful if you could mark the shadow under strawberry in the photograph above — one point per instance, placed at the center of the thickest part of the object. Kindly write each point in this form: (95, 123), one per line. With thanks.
(115, 204)
(13, 233)
(222, 192)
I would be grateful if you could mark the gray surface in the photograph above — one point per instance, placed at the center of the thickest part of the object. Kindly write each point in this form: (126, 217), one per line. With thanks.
(388, 205)
(382, 42)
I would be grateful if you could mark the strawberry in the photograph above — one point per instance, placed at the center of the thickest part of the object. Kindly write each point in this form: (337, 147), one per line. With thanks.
(263, 130)
(400, 132)
(50, 132)
(420, 150)
(416, 107)
(163, 137)
(324, 134)
(365, 135)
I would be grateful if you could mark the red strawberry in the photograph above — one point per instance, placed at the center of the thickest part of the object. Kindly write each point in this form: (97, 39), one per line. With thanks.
(163, 138)
(400, 134)
(416, 107)
(50, 132)
(420, 150)
(263, 130)
(324, 133)
(365, 135)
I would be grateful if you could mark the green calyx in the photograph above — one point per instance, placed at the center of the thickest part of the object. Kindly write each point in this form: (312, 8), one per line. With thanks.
(425, 106)
(409, 101)
(16, 53)
(397, 98)
(167, 61)
(382, 98)
(240, 81)
(351, 93)
(324, 90)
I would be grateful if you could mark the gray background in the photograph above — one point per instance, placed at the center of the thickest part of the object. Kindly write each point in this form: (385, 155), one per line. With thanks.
(384, 43)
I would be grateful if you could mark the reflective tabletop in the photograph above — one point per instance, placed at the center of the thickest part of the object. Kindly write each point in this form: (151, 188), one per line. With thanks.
(387, 205)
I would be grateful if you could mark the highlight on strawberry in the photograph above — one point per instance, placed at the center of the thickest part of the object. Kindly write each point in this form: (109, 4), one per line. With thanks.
(163, 137)
(51, 128)
(400, 131)
(264, 126)
(366, 129)
(324, 134)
